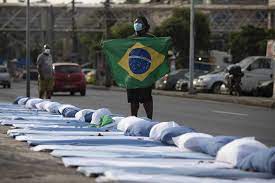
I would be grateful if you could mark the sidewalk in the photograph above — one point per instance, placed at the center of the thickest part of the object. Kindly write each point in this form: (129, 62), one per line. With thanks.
(245, 100)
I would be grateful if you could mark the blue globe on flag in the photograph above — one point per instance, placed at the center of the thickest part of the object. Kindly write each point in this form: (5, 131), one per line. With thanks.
(139, 61)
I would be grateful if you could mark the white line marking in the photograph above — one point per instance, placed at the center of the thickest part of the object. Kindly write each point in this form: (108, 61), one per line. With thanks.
(233, 113)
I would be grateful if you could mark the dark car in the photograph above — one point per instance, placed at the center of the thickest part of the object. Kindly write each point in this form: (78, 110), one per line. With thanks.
(169, 81)
(33, 74)
(265, 89)
(183, 84)
(68, 77)
(4, 77)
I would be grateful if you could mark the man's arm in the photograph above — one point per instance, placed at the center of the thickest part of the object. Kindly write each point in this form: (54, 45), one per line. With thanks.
(38, 62)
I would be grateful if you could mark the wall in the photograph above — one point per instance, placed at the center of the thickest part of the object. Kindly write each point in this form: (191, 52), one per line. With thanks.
(271, 2)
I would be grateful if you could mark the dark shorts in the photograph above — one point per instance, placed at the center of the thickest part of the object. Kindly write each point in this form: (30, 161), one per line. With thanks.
(139, 95)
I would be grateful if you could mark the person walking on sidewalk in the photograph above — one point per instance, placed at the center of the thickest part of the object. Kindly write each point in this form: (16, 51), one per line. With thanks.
(45, 71)
(141, 95)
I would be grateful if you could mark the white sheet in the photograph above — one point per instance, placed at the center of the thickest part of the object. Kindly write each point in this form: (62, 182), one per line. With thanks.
(33, 117)
(121, 176)
(56, 132)
(60, 137)
(128, 162)
(151, 166)
(51, 125)
(99, 141)
(107, 148)
(38, 121)
(126, 153)
(118, 157)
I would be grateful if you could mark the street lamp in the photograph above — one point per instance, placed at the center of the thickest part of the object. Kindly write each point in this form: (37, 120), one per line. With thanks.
(28, 49)
(107, 6)
(191, 49)
(74, 28)
(74, 33)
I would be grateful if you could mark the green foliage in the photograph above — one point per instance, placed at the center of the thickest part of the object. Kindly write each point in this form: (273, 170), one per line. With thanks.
(122, 30)
(92, 42)
(250, 41)
(178, 27)
(131, 2)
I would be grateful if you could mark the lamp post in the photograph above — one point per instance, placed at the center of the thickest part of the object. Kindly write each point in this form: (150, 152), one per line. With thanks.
(28, 49)
(107, 6)
(191, 49)
(74, 33)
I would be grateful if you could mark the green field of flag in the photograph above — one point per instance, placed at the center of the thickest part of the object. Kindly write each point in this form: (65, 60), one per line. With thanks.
(137, 62)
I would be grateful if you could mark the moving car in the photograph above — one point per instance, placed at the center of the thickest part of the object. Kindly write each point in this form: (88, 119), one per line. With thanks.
(5, 77)
(68, 77)
(169, 81)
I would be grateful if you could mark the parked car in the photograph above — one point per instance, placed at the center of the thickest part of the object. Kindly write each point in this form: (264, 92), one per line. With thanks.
(86, 70)
(33, 74)
(68, 77)
(4, 77)
(210, 82)
(256, 69)
(91, 77)
(183, 84)
(264, 89)
(169, 81)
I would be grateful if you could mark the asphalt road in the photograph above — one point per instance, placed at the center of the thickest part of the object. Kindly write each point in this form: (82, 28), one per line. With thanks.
(211, 117)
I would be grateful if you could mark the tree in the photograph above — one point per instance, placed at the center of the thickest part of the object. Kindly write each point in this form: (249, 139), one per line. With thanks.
(92, 42)
(122, 30)
(131, 1)
(178, 27)
(250, 41)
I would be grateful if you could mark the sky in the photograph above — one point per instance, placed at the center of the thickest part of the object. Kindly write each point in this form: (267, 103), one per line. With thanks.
(66, 1)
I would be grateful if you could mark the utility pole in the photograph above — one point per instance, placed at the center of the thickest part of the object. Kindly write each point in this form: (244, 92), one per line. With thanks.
(191, 49)
(273, 79)
(28, 49)
(107, 6)
(74, 33)
(51, 32)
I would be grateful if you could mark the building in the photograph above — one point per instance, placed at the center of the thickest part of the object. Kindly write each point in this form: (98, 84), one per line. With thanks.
(226, 2)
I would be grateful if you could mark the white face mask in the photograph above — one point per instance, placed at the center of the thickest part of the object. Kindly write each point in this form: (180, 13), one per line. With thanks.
(47, 51)
(138, 27)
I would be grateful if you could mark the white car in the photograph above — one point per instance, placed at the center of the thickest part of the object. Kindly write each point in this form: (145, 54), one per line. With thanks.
(210, 82)
(256, 69)
(4, 77)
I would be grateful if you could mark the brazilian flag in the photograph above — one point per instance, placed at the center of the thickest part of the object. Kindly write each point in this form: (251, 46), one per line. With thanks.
(137, 62)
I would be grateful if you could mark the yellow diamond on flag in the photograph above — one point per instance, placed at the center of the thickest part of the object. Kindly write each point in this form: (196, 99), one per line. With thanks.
(139, 61)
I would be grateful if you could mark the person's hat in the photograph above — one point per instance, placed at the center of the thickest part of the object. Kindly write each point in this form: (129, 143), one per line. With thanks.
(46, 46)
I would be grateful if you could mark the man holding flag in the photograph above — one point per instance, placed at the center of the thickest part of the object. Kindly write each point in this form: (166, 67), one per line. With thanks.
(136, 64)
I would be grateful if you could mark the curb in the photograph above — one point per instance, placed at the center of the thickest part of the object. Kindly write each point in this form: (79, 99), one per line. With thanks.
(251, 101)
